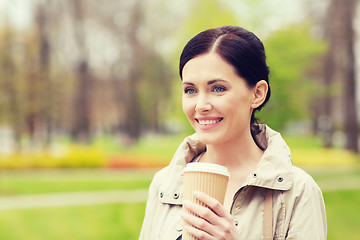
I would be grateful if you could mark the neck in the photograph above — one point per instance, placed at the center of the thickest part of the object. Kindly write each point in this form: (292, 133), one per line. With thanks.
(240, 153)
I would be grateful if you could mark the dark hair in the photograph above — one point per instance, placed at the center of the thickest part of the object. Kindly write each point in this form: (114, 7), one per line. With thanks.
(237, 46)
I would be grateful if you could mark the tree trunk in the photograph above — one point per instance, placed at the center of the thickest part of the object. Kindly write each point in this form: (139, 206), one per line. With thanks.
(348, 66)
(340, 64)
(133, 121)
(82, 107)
(81, 128)
(40, 122)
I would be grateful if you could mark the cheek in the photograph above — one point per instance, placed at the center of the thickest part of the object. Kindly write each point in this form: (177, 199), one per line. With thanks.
(187, 107)
(237, 107)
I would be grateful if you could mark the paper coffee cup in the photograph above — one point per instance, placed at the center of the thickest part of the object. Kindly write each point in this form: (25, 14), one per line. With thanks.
(208, 178)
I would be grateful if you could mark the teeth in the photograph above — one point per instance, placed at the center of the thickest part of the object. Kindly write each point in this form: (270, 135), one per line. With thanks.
(208, 122)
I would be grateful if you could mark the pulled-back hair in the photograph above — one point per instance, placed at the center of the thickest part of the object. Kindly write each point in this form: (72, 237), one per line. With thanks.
(238, 47)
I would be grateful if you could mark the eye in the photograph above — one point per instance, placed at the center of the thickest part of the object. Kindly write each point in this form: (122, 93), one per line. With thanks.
(189, 91)
(218, 89)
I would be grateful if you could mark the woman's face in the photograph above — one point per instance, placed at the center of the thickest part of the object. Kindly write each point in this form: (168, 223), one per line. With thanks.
(217, 102)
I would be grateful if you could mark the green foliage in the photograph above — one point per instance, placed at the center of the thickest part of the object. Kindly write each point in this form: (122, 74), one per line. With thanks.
(205, 14)
(291, 53)
(303, 142)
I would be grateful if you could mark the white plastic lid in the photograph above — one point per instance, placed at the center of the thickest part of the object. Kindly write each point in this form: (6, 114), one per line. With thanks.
(206, 167)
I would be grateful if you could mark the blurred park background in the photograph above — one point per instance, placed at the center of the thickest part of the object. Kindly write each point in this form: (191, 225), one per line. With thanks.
(90, 105)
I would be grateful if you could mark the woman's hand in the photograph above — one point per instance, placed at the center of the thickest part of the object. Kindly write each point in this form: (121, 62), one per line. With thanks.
(211, 222)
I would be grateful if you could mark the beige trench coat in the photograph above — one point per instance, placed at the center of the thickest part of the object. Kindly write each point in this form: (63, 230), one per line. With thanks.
(298, 205)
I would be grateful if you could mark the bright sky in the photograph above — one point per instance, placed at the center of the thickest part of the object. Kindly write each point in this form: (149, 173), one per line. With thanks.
(276, 12)
(268, 15)
(17, 12)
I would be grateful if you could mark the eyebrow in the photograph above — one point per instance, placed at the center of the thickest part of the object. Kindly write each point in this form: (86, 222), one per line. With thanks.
(215, 80)
(209, 82)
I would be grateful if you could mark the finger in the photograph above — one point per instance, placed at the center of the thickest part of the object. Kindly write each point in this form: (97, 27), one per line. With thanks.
(197, 222)
(197, 233)
(212, 203)
(202, 212)
(206, 220)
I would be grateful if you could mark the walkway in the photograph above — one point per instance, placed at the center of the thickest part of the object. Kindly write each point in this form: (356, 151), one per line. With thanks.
(125, 196)
(345, 183)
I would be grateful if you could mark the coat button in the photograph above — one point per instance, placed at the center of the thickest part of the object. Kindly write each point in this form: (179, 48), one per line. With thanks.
(179, 228)
(161, 194)
(280, 179)
(176, 195)
(254, 175)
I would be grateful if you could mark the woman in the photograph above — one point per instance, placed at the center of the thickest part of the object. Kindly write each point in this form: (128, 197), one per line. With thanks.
(225, 80)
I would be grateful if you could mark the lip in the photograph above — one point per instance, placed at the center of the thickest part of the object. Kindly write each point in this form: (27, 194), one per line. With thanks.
(206, 122)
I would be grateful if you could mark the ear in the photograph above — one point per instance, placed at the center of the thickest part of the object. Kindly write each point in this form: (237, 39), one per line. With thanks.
(259, 93)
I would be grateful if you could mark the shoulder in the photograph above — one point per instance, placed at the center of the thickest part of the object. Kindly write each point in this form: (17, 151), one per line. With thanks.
(303, 181)
(305, 204)
(170, 175)
(159, 178)
(304, 189)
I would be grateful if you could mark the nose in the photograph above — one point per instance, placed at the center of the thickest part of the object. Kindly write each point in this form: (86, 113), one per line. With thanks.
(203, 104)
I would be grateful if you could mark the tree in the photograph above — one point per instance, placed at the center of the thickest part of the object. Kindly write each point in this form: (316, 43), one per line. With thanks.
(81, 130)
(38, 75)
(291, 52)
(11, 107)
(340, 64)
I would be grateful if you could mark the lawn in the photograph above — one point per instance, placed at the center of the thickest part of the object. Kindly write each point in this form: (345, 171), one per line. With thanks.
(123, 221)
(342, 209)
(23, 182)
(331, 168)
(90, 222)
(97, 222)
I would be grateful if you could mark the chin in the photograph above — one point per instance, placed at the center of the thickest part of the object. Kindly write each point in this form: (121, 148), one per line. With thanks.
(209, 139)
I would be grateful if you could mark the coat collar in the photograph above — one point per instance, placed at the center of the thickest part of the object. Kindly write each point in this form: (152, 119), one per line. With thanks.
(273, 170)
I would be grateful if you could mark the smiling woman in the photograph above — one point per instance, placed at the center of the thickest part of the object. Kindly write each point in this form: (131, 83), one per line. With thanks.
(225, 80)
(226, 102)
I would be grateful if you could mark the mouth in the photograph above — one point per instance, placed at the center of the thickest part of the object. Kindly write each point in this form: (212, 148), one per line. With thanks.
(208, 123)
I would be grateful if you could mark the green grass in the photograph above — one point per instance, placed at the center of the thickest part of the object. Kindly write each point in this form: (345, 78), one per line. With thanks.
(52, 181)
(165, 145)
(95, 222)
(338, 173)
(302, 141)
(342, 209)
(39, 187)
(98, 222)
(123, 221)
